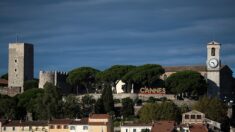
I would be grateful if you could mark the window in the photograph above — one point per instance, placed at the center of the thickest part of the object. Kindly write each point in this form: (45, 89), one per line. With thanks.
(199, 117)
(134, 130)
(58, 127)
(13, 129)
(15, 70)
(212, 51)
(192, 116)
(72, 127)
(30, 128)
(4, 128)
(126, 130)
(186, 116)
(65, 126)
(51, 127)
(85, 127)
(15, 60)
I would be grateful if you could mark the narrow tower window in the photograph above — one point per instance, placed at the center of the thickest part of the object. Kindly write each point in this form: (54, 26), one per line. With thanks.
(212, 51)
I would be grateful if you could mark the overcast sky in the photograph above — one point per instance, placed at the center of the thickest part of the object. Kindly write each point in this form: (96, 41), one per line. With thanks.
(99, 33)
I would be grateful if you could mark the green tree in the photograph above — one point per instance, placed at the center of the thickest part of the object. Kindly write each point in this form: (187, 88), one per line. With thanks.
(164, 111)
(47, 104)
(107, 97)
(83, 77)
(99, 107)
(7, 108)
(27, 100)
(127, 107)
(147, 112)
(29, 84)
(186, 82)
(71, 107)
(114, 73)
(212, 107)
(88, 103)
(5, 76)
(147, 75)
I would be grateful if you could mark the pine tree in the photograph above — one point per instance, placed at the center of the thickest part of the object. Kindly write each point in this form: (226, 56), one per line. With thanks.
(107, 97)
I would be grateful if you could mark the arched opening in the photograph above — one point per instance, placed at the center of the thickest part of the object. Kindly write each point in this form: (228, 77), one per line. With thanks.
(212, 51)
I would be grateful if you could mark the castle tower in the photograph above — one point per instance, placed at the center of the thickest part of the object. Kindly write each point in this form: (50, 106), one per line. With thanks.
(213, 68)
(21, 64)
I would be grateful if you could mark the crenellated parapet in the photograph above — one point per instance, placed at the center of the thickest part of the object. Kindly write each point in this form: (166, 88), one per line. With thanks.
(54, 77)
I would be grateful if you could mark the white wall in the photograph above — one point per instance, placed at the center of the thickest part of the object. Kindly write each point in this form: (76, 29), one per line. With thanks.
(131, 128)
(78, 128)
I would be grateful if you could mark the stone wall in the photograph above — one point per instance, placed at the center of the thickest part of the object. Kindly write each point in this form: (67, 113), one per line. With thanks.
(133, 96)
(21, 63)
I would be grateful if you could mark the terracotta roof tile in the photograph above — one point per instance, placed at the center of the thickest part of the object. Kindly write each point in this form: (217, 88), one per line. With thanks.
(83, 121)
(60, 121)
(99, 116)
(182, 68)
(163, 126)
(27, 123)
(137, 124)
(198, 128)
(3, 81)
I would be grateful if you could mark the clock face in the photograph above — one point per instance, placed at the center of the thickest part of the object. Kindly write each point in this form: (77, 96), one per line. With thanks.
(213, 63)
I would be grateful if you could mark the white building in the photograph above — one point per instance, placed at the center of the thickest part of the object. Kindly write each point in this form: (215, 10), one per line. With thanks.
(130, 127)
(79, 125)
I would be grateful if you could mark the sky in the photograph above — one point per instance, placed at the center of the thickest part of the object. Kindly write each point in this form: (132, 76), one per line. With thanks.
(100, 33)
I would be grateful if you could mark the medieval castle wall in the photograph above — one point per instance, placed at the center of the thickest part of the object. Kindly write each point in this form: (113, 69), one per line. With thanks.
(56, 78)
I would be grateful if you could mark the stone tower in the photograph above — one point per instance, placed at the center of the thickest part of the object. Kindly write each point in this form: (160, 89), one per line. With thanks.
(21, 64)
(213, 68)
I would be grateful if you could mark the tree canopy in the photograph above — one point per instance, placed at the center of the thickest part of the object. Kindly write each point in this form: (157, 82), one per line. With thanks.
(5, 76)
(29, 84)
(83, 77)
(164, 111)
(127, 107)
(186, 82)
(147, 75)
(114, 73)
(212, 107)
(107, 98)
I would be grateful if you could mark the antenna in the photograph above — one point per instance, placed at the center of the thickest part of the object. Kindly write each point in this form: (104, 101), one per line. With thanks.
(17, 38)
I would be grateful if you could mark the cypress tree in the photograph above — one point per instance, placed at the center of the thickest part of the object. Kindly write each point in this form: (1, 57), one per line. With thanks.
(107, 97)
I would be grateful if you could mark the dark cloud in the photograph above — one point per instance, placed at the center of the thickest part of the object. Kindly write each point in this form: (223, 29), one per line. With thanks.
(101, 33)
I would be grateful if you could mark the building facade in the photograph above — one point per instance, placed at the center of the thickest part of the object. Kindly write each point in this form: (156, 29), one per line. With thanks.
(219, 77)
(20, 64)
(193, 117)
(100, 123)
(135, 127)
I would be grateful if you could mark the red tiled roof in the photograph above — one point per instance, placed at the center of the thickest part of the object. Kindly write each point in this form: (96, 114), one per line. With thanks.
(163, 126)
(198, 128)
(137, 124)
(198, 68)
(3, 81)
(182, 68)
(60, 121)
(98, 123)
(83, 121)
(99, 116)
(27, 123)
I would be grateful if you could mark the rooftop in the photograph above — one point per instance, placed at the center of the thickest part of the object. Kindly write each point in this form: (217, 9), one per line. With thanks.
(99, 116)
(163, 126)
(198, 128)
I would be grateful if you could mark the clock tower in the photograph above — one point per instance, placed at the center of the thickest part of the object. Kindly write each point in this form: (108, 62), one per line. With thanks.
(213, 64)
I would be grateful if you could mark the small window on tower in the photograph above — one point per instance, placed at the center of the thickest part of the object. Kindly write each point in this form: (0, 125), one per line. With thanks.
(15, 60)
(213, 52)
(15, 70)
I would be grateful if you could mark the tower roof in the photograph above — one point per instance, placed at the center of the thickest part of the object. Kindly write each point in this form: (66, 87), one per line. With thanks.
(214, 43)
